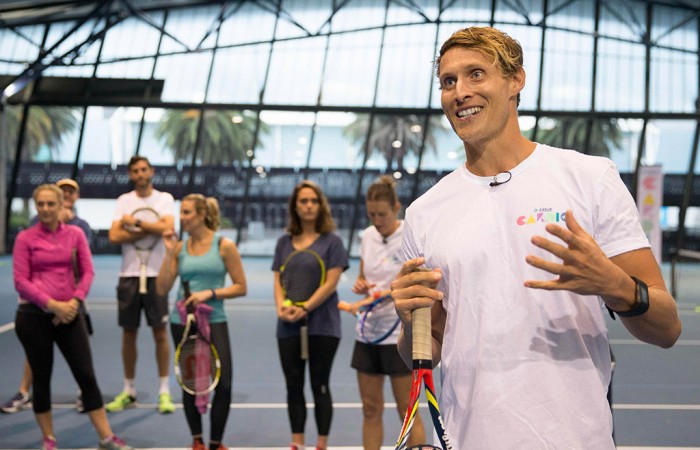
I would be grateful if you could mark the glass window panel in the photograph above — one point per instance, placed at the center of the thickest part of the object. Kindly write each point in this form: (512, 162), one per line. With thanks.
(286, 144)
(530, 39)
(359, 14)
(674, 78)
(601, 137)
(567, 71)
(303, 17)
(576, 15)
(351, 69)
(295, 72)
(335, 144)
(238, 74)
(669, 143)
(444, 151)
(110, 135)
(311, 15)
(52, 134)
(132, 37)
(411, 12)
(620, 80)
(13, 118)
(151, 145)
(22, 48)
(189, 26)
(464, 13)
(674, 27)
(625, 155)
(394, 142)
(519, 12)
(87, 55)
(185, 76)
(626, 20)
(248, 24)
(137, 68)
(406, 66)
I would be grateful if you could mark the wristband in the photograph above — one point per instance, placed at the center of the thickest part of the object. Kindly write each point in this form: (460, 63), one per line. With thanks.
(213, 294)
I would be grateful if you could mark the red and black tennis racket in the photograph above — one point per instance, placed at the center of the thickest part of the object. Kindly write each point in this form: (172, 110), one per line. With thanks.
(423, 372)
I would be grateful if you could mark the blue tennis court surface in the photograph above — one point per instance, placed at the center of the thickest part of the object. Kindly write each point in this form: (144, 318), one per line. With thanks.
(656, 392)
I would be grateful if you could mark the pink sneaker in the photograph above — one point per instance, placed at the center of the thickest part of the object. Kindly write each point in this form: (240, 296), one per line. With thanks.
(49, 443)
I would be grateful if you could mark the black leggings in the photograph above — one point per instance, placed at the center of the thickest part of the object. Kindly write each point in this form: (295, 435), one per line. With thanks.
(221, 403)
(37, 335)
(321, 353)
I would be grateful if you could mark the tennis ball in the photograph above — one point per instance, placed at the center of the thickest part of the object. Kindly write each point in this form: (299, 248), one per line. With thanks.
(287, 302)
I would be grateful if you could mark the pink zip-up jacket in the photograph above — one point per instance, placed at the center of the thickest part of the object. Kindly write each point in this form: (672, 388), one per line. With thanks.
(43, 265)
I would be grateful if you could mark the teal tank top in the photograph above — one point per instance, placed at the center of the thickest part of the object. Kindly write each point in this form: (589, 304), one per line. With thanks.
(204, 272)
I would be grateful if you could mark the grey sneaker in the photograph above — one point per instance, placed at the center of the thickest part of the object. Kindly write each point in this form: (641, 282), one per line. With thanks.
(113, 443)
(17, 403)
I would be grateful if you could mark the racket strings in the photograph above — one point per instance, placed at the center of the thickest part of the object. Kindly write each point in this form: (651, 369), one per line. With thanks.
(301, 277)
(146, 215)
(198, 365)
(378, 322)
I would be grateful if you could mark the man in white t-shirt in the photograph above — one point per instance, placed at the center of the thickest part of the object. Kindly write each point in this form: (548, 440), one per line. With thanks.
(127, 229)
(530, 246)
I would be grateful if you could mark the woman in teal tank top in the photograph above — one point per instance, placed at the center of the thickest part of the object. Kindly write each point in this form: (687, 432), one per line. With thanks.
(204, 259)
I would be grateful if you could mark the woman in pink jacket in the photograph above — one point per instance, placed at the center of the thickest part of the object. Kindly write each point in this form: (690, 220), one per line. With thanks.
(45, 259)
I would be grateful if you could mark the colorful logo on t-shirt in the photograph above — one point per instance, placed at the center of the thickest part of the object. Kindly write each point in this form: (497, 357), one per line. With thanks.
(541, 215)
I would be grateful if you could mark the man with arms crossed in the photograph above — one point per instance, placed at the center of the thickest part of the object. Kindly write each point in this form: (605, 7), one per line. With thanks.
(525, 362)
(125, 230)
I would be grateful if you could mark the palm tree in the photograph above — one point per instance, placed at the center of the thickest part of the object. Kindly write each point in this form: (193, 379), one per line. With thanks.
(46, 128)
(226, 135)
(603, 137)
(394, 137)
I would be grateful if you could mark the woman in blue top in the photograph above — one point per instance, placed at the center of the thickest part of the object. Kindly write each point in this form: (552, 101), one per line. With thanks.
(204, 259)
(310, 227)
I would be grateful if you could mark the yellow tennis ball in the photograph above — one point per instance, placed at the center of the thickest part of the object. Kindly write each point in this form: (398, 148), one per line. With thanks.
(287, 302)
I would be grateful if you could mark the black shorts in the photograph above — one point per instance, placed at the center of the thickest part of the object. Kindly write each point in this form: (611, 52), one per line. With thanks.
(131, 303)
(378, 359)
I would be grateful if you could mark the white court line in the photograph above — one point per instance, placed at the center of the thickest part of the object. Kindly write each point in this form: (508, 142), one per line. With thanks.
(389, 405)
(383, 448)
(7, 327)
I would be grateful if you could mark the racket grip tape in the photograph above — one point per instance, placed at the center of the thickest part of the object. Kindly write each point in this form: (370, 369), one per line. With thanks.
(304, 337)
(142, 280)
(422, 334)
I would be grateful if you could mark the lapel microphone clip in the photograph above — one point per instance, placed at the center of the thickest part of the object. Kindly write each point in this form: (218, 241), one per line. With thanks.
(495, 181)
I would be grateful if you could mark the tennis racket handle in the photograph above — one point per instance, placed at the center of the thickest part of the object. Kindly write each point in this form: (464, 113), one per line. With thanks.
(142, 280)
(422, 334)
(304, 336)
(344, 306)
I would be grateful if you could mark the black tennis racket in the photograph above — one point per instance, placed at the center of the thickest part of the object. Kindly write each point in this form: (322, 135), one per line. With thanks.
(377, 320)
(422, 371)
(197, 363)
(301, 274)
(84, 303)
(145, 245)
